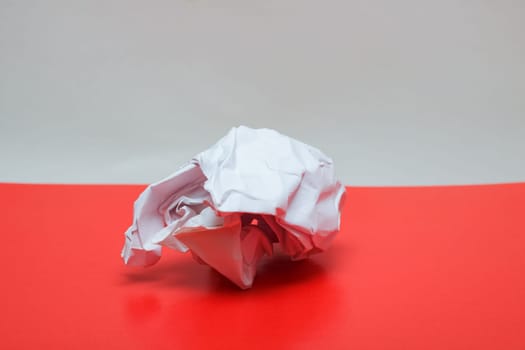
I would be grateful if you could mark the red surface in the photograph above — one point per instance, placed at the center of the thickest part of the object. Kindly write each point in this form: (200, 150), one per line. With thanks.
(413, 268)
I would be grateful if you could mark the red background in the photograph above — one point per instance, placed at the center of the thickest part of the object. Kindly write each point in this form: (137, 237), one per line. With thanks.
(413, 268)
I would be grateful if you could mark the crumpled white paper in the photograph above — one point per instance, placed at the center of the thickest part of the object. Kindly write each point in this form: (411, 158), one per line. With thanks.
(231, 203)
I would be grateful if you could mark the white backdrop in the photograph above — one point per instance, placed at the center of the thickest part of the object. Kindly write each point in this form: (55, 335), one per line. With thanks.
(397, 92)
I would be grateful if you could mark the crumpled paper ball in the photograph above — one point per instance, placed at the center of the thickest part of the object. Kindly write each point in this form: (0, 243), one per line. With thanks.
(232, 203)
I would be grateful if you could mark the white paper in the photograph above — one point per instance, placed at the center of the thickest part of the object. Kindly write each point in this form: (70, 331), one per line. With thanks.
(231, 203)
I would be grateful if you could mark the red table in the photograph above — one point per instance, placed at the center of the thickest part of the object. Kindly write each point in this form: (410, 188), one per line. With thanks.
(413, 268)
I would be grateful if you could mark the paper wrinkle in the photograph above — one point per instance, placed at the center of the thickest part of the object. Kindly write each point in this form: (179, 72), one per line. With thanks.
(231, 203)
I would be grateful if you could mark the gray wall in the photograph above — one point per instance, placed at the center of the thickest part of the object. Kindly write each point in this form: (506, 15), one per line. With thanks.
(397, 92)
